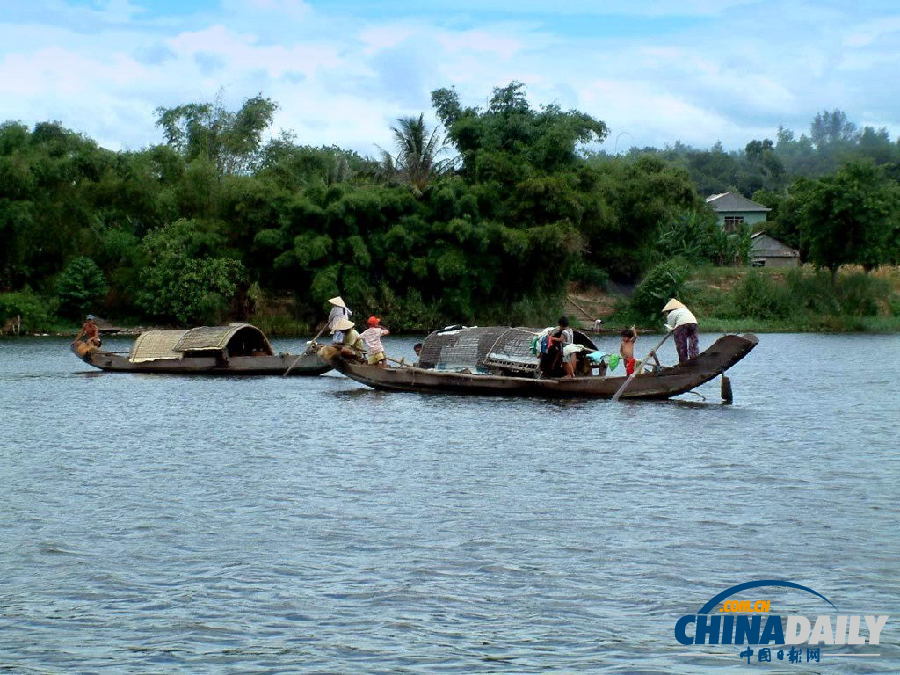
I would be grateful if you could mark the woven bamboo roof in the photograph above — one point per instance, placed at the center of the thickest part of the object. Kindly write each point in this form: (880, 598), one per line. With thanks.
(490, 347)
(207, 338)
(176, 344)
(156, 344)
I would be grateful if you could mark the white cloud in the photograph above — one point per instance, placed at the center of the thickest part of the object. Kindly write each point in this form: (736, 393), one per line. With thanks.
(342, 79)
(869, 32)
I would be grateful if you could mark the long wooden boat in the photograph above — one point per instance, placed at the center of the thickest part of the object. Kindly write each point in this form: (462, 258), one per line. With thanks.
(664, 383)
(235, 349)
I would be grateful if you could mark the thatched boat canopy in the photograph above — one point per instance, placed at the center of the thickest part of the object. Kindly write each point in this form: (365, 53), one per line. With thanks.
(514, 350)
(156, 344)
(239, 339)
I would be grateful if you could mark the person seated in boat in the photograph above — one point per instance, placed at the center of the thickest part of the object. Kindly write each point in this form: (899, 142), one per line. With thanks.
(90, 332)
(626, 348)
(351, 343)
(417, 348)
(683, 325)
(371, 336)
(339, 310)
(564, 337)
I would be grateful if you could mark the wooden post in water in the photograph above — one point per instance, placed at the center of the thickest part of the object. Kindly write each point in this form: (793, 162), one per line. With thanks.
(727, 396)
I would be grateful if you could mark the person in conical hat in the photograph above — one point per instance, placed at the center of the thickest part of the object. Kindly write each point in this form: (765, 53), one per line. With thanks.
(351, 344)
(338, 311)
(683, 323)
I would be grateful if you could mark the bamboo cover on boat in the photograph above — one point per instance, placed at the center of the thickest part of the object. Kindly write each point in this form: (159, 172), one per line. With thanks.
(479, 349)
(214, 338)
(513, 351)
(156, 344)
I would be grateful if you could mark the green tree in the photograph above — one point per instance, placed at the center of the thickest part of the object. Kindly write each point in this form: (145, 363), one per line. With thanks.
(415, 163)
(230, 140)
(697, 237)
(851, 217)
(80, 287)
(185, 280)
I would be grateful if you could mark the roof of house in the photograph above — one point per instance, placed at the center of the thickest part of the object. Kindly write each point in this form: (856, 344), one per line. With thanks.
(762, 245)
(732, 201)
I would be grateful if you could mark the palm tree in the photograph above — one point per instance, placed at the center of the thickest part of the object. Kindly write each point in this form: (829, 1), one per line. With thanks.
(416, 161)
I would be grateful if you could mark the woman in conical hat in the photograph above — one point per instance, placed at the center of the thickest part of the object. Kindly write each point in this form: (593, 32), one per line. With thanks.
(338, 311)
(684, 324)
(351, 344)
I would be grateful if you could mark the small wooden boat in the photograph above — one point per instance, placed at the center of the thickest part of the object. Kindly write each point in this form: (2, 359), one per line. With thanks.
(501, 367)
(235, 349)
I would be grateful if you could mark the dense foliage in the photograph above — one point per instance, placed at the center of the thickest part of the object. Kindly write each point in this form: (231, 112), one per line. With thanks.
(488, 218)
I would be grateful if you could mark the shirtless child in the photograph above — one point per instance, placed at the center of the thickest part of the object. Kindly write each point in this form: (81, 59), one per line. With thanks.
(626, 349)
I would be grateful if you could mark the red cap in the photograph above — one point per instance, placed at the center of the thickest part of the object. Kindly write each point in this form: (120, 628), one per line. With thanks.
(373, 321)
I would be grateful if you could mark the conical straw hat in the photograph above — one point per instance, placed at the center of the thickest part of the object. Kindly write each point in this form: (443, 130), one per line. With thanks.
(673, 304)
(343, 324)
(337, 301)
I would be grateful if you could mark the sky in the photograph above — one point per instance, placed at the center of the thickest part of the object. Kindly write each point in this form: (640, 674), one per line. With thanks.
(342, 71)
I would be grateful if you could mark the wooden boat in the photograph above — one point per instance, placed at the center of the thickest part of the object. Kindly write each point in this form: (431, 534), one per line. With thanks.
(504, 369)
(235, 349)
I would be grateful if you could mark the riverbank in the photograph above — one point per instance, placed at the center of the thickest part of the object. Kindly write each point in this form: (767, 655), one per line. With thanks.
(764, 300)
(725, 299)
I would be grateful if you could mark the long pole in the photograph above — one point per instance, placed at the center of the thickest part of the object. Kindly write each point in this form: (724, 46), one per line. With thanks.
(291, 367)
(638, 365)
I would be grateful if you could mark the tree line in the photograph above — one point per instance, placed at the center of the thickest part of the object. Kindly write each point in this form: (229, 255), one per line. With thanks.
(489, 217)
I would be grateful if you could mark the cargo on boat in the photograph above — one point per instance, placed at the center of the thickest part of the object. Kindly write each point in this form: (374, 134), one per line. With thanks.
(235, 349)
(504, 361)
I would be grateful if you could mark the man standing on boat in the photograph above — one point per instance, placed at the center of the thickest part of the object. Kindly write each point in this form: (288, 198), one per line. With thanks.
(339, 311)
(683, 323)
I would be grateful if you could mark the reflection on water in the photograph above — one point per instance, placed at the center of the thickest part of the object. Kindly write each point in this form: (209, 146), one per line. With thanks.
(155, 523)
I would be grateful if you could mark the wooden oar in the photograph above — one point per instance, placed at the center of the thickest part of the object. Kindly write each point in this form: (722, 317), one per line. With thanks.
(291, 367)
(638, 367)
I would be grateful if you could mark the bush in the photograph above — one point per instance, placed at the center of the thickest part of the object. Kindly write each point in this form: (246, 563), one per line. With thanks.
(760, 297)
(698, 238)
(664, 281)
(586, 274)
(80, 286)
(863, 295)
(37, 313)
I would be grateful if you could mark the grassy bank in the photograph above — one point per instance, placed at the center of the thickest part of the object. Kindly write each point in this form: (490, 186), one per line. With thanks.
(725, 299)
(740, 299)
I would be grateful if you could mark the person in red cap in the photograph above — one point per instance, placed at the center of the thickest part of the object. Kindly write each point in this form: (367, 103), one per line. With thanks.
(372, 337)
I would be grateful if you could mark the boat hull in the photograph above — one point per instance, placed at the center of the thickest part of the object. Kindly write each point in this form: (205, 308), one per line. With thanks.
(668, 382)
(280, 364)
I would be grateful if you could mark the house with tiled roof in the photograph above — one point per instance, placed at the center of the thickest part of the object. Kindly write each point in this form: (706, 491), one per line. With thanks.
(733, 210)
(766, 251)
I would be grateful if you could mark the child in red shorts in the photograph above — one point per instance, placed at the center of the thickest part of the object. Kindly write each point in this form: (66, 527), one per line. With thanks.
(626, 349)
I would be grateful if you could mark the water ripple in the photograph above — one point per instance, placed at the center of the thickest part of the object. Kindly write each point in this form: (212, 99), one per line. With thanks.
(207, 524)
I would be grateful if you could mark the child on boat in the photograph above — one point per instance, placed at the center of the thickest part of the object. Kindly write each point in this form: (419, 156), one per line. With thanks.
(626, 348)
(372, 337)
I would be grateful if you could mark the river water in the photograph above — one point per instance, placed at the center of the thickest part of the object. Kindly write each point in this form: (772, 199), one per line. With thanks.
(163, 523)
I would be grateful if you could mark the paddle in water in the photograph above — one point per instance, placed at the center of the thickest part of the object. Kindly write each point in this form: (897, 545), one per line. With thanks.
(637, 367)
(308, 350)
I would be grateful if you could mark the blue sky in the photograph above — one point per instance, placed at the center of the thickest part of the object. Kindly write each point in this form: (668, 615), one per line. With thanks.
(342, 71)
